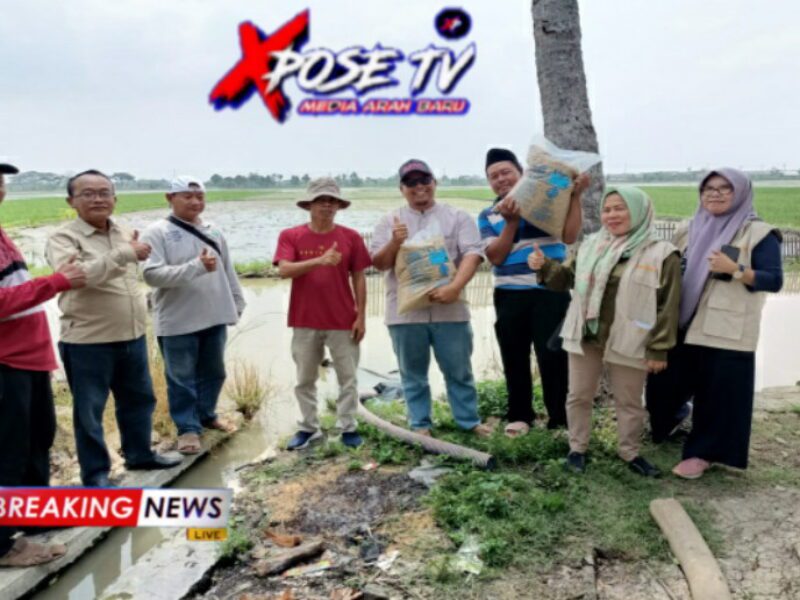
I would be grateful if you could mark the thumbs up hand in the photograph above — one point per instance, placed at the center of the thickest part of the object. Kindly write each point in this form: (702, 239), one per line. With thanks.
(209, 260)
(331, 257)
(141, 249)
(536, 258)
(399, 231)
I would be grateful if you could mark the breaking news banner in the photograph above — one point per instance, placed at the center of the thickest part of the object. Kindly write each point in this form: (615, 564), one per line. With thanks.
(118, 507)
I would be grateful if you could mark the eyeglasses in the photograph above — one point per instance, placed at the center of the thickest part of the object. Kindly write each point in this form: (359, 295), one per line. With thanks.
(415, 181)
(723, 190)
(92, 194)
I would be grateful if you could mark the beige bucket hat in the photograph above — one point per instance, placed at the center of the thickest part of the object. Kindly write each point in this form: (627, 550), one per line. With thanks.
(322, 186)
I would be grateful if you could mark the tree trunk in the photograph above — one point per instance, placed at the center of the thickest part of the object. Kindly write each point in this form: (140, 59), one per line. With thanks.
(562, 88)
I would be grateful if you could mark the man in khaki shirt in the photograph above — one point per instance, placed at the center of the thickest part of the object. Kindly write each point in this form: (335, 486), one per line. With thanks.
(103, 344)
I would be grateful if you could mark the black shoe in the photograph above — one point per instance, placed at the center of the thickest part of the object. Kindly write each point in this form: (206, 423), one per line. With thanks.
(576, 462)
(641, 467)
(157, 461)
(101, 481)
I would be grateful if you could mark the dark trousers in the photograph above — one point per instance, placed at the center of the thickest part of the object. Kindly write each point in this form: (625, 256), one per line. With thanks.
(194, 364)
(526, 317)
(94, 370)
(27, 431)
(669, 390)
(721, 384)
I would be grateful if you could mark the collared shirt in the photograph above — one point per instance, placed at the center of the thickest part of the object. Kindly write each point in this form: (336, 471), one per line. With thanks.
(461, 239)
(514, 273)
(111, 308)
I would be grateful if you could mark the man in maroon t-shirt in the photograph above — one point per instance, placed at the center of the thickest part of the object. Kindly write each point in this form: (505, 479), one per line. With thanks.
(27, 414)
(323, 259)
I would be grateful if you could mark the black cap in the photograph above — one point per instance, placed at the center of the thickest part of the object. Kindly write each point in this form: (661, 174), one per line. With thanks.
(496, 155)
(413, 165)
(7, 169)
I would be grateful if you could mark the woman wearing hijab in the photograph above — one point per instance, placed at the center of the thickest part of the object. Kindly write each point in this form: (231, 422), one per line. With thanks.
(731, 259)
(623, 316)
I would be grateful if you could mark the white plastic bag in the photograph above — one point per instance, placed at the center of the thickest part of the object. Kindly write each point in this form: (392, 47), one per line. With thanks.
(421, 266)
(543, 192)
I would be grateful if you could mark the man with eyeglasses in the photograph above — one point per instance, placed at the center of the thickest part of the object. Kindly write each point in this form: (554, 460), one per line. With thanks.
(443, 326)
(103, 344)
(327, 307)
(197, 296)
(27, 413)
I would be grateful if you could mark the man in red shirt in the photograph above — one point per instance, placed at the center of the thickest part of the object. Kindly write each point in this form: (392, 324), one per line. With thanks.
(326, 264)
(27, 414)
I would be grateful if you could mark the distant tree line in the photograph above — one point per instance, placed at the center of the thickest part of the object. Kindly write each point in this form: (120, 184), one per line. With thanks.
(35, 181)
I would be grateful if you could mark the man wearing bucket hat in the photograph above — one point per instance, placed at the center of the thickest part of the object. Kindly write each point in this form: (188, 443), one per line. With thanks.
(326, 264)
(27, 414)
(197, 296)
(444, 325)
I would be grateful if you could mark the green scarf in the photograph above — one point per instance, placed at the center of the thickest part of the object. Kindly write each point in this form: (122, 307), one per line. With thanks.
(601, 251)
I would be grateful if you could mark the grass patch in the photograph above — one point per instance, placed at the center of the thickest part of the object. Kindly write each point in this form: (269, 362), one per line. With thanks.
(237, 544)
(256, 268)
(247, 389)
(530, 512)
(31, 212)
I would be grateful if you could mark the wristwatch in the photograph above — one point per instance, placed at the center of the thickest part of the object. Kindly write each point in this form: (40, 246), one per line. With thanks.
(739, 272)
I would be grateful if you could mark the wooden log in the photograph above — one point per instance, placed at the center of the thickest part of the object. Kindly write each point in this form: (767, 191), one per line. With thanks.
(706, 581)
(278, 564)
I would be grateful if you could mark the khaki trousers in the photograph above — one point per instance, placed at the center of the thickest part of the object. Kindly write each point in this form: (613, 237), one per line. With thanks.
(627, 384)
(308, 347)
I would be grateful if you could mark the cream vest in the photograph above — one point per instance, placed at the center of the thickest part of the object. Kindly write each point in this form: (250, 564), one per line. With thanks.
(728, 315)
(634, 309)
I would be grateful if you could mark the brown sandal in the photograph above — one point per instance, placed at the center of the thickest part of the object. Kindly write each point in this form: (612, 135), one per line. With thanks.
(25, 553)
(220, 425)
(189, 443)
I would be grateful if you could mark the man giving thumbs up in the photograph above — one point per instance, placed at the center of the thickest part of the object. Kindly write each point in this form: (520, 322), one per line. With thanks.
(322, 259)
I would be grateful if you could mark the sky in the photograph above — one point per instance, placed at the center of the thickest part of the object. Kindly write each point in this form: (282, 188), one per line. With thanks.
(124, 86)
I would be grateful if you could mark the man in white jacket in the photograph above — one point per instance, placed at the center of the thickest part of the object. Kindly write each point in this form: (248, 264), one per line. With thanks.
(197, 295)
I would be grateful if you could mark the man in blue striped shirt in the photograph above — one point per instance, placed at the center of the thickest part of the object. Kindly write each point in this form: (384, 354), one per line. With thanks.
(527, 313)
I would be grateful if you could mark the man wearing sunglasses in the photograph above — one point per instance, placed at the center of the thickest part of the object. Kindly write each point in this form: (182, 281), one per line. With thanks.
(197, 295)
(444, 325)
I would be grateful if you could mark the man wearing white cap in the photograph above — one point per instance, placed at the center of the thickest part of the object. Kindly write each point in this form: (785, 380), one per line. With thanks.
(103, 346)
(326, 264)
(197, 295)
(27, 414)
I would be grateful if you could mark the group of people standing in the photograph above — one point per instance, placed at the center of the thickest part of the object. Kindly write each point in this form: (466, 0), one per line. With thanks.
(675, 322)
(102, 343)
(678, 319)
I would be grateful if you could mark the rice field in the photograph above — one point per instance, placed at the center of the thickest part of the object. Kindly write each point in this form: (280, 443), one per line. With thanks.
(777, 205)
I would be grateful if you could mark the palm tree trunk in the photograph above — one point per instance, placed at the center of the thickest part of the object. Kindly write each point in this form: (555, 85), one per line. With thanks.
(562, 88)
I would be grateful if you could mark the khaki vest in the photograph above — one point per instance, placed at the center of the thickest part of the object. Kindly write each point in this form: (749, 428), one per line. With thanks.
(728, 315)
(634, 309)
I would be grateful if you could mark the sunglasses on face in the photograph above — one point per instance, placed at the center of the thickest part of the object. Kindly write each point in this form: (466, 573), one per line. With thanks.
(420, 180)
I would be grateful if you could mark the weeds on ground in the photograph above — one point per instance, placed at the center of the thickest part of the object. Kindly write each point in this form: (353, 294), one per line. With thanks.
(530, 511)
(247, 389)
(237, 544)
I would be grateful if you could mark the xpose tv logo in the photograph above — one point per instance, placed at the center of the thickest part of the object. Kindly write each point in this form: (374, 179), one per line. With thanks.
(338, 82)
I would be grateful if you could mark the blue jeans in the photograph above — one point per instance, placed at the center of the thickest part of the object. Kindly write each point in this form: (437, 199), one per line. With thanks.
(452, 348)
(195, 368)
(92, 371)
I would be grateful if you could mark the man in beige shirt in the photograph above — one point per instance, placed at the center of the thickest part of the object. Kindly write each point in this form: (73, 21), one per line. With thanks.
(103, 344)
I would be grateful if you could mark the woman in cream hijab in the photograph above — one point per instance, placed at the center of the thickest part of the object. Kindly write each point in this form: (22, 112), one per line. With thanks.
(623, 316)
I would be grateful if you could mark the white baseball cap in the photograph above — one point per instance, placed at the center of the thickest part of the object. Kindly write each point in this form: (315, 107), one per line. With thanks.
(185, 183)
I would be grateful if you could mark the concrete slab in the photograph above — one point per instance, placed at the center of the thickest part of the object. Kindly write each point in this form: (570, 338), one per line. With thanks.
(15, 583)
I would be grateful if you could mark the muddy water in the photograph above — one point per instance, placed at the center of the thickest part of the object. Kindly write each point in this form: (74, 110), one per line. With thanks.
(263, 340)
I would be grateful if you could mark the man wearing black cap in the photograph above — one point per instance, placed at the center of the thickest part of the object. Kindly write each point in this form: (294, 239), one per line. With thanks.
(527, 313)
(444, 325)
(27, 414)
